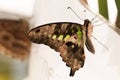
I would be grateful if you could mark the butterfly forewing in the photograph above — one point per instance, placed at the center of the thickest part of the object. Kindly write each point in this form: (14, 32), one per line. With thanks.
(57, 32)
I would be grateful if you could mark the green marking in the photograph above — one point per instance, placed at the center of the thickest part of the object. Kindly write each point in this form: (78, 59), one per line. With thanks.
(54, 37)
(79, 33)
(60, 37)
(66, 37)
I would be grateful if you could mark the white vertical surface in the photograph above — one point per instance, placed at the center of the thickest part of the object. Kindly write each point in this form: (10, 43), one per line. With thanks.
(20, 8)
(46, 64)
(93, 4)
(112, 10)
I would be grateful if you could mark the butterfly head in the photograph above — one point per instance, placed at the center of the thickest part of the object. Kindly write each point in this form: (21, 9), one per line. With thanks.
(88, 27)
(86, 22)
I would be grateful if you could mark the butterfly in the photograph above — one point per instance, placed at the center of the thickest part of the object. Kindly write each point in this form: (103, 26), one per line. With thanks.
(68, 38)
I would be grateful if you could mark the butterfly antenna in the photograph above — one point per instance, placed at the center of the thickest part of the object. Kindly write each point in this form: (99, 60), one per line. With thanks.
(94, 18)
(74, 13)
(100, 23)
(96, 21)
(100, 43)
(85, 14)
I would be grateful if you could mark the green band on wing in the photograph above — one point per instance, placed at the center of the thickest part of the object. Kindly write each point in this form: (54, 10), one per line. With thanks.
(54, 37)
(66, 37)
(60, 38)
(79, 33)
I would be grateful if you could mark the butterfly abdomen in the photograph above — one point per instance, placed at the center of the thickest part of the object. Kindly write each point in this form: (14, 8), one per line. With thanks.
(89, 45)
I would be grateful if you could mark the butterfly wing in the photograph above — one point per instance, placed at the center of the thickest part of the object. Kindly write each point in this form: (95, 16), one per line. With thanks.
(54, 34)
(66, 38)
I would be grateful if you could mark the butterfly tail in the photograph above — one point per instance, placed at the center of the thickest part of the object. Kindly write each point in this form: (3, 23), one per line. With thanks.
(72, 72)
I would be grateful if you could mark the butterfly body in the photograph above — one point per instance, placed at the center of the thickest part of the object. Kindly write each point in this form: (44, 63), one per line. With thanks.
(67, 38)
